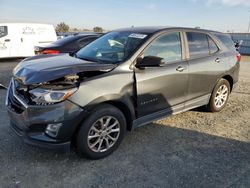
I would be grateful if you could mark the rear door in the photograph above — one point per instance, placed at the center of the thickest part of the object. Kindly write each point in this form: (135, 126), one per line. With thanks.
(161, 88)
(45, 34)
(5, 41)
(28, 40)
(205, 66)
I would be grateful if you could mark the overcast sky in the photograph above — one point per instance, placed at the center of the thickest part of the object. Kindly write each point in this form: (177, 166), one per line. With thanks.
(219, 15)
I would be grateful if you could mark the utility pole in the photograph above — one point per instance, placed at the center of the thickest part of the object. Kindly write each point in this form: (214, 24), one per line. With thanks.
(249, 23)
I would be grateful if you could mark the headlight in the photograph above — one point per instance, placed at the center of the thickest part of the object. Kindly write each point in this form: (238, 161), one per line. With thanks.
(43, 96)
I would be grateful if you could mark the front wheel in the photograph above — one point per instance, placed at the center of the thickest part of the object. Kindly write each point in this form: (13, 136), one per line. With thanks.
(101, 133)
(219, 96)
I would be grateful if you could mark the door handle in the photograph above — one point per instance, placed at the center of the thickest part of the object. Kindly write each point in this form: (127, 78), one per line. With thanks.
(217, 60)
(180, 68)
(7, 40)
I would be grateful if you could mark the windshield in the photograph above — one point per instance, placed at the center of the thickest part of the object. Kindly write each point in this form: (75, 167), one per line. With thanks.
(114, 47)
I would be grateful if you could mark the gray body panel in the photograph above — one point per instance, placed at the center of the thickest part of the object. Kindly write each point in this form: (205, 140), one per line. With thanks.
(115, 85)
(160, 88)
(203, 75)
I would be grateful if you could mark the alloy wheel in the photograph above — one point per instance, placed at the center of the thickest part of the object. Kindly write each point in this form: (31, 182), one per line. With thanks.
(103, 134)
(221, 96)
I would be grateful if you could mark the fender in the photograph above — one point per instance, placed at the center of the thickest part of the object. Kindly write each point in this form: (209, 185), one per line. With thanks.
(125, 103)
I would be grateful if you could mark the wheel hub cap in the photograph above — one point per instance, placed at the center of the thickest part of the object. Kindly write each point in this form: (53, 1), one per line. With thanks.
(221, 96)
(103, 134)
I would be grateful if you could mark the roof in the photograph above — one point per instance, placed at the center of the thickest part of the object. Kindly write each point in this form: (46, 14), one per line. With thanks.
(17, 23)
(78, 34)
(246, 33)
(156, 29)
(72, 38)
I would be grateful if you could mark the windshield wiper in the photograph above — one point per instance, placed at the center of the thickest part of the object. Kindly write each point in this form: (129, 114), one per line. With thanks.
(94, 60)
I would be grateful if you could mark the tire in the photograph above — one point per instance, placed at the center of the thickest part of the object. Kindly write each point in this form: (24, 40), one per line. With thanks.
(219, 96)
(94, 137)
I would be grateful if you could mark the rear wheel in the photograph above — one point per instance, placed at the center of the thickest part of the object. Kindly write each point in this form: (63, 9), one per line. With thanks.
(219, 96)
(101, 133)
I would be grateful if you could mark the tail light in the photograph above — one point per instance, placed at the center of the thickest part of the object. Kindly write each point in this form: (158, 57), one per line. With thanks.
(50, 52)
(238, 58)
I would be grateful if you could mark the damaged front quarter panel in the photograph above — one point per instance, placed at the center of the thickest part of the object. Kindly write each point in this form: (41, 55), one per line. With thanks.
(46, 68)
(48, 79)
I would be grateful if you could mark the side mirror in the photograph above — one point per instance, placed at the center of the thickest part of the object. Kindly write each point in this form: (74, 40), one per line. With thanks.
(149, 61)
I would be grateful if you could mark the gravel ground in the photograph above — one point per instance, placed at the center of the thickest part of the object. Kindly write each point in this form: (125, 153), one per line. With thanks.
(193, 149)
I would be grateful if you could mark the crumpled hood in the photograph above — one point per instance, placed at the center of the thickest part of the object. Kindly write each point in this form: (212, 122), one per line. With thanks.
(45, 68)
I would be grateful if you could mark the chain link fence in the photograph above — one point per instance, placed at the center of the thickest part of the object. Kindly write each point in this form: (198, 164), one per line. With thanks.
(244, 41)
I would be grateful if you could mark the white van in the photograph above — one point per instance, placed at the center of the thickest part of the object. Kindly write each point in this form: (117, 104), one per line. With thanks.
(19, 39)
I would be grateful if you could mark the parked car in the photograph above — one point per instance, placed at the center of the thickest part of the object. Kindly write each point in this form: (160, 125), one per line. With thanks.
(68, 44)
(19, 39)
(123, 80)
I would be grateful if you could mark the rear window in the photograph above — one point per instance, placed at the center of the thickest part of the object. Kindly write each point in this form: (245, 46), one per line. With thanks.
(64, 41)
(83, 42)
(3, 31)
(198, 44)
(226, 40)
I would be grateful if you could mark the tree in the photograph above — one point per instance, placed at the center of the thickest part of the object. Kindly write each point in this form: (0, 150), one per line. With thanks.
(62, 27)
(75, 29)
(98, 29)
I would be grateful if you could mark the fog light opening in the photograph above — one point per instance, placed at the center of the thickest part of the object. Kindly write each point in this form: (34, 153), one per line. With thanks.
(53, 129)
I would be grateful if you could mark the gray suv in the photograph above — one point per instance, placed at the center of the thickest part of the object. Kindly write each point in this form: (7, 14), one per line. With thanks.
(125, 79)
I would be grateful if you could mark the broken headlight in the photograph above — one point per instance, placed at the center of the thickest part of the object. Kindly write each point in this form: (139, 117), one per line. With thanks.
(44, 96)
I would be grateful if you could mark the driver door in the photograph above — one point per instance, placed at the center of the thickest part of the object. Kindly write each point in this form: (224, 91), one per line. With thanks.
(163, 89)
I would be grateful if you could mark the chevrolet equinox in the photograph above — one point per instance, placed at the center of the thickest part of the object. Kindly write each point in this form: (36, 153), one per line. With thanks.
(125, 79)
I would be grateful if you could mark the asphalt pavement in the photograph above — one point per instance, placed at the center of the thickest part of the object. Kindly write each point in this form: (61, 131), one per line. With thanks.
(193, 149)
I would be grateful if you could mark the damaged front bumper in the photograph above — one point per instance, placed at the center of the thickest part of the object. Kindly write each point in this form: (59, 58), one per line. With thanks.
(31, 122)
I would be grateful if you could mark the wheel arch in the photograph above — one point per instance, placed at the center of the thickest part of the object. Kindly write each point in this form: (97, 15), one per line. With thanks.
(230, 80)
(125, 104)
(127, 112)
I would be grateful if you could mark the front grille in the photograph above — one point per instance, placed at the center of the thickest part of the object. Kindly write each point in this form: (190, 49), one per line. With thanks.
(13, 102)
(21, 91)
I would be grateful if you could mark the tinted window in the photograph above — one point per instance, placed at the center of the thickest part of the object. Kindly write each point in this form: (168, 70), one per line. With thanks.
(212, 46)
(85, 41)
(3, 31)
(65, 40)
(167, 46)
(226, 40)
(198, 44)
